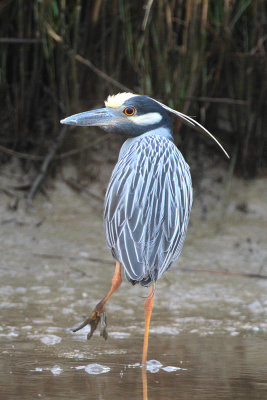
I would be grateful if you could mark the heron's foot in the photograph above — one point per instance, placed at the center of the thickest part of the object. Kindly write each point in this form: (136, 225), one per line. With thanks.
(98, 315)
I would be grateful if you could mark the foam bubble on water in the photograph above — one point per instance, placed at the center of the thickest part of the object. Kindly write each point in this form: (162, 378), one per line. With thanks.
(26, 327)
(165, 330)
(65, 289)
(12, 334)
(50, 340)
(56, 370)
(67, 310)
(119, 335)
(114, 351)
(255, 307)
(52, 329)
(263, 326)
(6, 290)
(41, 289)
(235, 333)
(40, 321)
(8, 304)
(74, 355)
(170, 368)
(37, 369)
(83, 254)
(251, 327)
(96, 369)
(153, 366)
(93, 369)
(255, 328)
(134, 365)
(21, 290)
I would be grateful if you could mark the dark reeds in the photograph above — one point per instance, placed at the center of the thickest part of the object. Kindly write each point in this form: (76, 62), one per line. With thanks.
(205, 58)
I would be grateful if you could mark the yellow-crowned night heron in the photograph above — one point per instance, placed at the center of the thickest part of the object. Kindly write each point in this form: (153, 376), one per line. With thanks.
(149, 196)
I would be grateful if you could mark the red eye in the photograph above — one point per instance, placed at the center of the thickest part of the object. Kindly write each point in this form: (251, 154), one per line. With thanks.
(129, 111)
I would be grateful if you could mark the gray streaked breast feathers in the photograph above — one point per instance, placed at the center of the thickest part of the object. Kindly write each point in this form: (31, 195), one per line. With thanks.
(147, 207)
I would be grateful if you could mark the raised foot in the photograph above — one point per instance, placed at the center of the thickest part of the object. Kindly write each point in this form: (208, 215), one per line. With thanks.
(98, 315)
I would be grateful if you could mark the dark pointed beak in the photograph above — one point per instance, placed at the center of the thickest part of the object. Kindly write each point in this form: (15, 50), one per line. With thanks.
(101, 117)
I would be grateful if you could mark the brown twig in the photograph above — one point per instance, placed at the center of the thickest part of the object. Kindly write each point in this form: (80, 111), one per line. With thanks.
(20, 40)
(72, 258)
(61, 156)
(18, 154)
(207, 271)
(222, 100)
(78, 187)
(100, 73)
(103, 261)
(7, 192)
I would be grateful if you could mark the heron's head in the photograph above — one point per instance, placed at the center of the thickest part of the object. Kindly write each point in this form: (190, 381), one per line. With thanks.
(125, 114)
(132, 115)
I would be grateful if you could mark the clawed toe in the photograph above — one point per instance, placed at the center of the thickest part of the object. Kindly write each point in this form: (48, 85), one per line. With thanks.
(98, 315)
(103, 326)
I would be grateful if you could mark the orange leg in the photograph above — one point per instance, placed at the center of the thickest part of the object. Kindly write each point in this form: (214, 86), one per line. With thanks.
(148, 310)
(99, 312)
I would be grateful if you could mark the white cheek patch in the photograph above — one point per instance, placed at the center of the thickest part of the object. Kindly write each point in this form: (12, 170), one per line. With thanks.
(146, 119)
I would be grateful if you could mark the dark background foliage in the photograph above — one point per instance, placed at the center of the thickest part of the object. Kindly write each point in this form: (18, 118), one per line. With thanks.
(205, 58)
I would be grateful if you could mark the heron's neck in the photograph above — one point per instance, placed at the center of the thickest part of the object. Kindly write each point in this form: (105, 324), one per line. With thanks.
(165, 132)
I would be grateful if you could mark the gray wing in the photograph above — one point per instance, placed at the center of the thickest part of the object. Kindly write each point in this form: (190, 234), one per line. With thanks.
(147, 207)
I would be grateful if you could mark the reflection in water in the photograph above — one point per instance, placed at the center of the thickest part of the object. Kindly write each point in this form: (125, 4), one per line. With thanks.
(144, 382)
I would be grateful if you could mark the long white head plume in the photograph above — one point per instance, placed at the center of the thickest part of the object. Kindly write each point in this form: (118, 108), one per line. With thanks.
(192, 123)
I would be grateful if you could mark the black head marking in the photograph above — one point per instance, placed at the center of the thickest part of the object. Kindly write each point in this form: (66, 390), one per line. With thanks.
(144, 105)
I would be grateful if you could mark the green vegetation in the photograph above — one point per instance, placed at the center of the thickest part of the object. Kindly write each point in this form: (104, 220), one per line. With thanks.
(206, 58)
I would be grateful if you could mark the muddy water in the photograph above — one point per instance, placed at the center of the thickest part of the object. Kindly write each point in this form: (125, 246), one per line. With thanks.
(208, 331)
